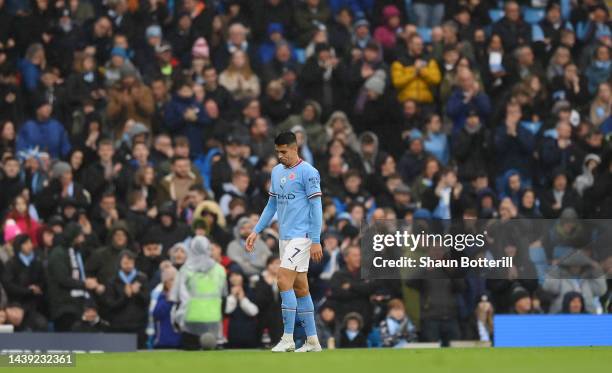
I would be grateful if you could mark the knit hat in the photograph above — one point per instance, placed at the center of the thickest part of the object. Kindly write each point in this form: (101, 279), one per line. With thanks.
(153, 31)
(11, 230)
(275, 27)
(200, 49)
(117, 51)
(390, 11)
(59, 168)
(361, 22)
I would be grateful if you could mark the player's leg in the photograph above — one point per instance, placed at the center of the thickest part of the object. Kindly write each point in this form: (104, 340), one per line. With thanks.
(286, 279)
(305, 313)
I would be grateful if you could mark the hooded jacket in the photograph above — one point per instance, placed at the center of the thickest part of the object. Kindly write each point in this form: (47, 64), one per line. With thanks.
(317, 137)
(168, 236)
(351, 138)
(104, 262)
(591, 282)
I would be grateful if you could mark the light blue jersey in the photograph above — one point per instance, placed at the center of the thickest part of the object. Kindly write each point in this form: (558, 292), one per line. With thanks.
(293, 187)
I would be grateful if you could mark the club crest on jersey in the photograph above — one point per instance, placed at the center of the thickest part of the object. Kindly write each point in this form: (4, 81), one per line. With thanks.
(292, 176)
(283, 180)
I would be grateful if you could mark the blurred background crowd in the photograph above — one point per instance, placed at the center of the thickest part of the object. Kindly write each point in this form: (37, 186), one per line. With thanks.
(131, 129)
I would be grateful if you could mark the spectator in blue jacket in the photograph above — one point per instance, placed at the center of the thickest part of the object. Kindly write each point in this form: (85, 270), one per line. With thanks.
(165, 335)
(184, 116)
(466, 97)
(514, 144)
(31, 66)
(44, 132)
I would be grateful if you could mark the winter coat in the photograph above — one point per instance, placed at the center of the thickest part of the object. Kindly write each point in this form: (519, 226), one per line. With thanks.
(176, 124)
(17, 278)
(64, 290)
(591, 284)
(127, 313)
(165, 335)
(413, 85)
(49, 136)
(104, 262)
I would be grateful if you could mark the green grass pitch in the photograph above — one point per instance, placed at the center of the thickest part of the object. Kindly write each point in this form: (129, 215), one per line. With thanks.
(473, 360)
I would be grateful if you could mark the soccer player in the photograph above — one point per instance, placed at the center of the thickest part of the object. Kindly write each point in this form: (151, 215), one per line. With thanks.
(295, 196)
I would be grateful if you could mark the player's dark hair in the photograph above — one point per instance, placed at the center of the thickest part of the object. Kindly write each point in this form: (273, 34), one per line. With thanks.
(285, 138)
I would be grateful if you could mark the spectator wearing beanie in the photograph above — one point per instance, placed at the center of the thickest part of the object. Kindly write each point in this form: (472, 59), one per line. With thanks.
(44, 132)
(90, 321)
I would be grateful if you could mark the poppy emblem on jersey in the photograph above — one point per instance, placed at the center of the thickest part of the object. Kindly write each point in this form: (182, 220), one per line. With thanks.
(292, 176)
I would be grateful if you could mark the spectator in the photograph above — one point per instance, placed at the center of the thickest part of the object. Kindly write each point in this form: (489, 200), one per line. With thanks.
(396, 330)
(183, 116)
(468, 97)
(24, 279)
(439, 312)
(598, 70)
(239, 79)
(91, 322)
(327, 326)
(168, 230)
(174, 186)
(251, 263)
(350, 292)
(165, 336)
(414, 74)
(103, 262)
(127, 298)
(308, 16)
(511, 28)
(267, 298)
(241, 312)
(576, 272)
(44, 132)
(68, 287)
(352, 333)
(211, 278)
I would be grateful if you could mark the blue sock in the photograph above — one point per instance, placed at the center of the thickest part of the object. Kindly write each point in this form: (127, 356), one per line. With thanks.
(288, 307)
(305, 315)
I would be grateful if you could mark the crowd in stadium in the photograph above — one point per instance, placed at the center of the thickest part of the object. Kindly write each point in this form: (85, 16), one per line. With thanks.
(130, 130)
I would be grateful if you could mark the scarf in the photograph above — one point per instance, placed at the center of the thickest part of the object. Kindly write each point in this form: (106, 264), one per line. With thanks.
(351, 334)
(76, 264)
(26, 259)
(127, 278)
(78, 272)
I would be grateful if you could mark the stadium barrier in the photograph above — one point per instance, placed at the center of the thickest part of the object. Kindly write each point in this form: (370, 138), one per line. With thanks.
(552, 330)
(67, 342)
